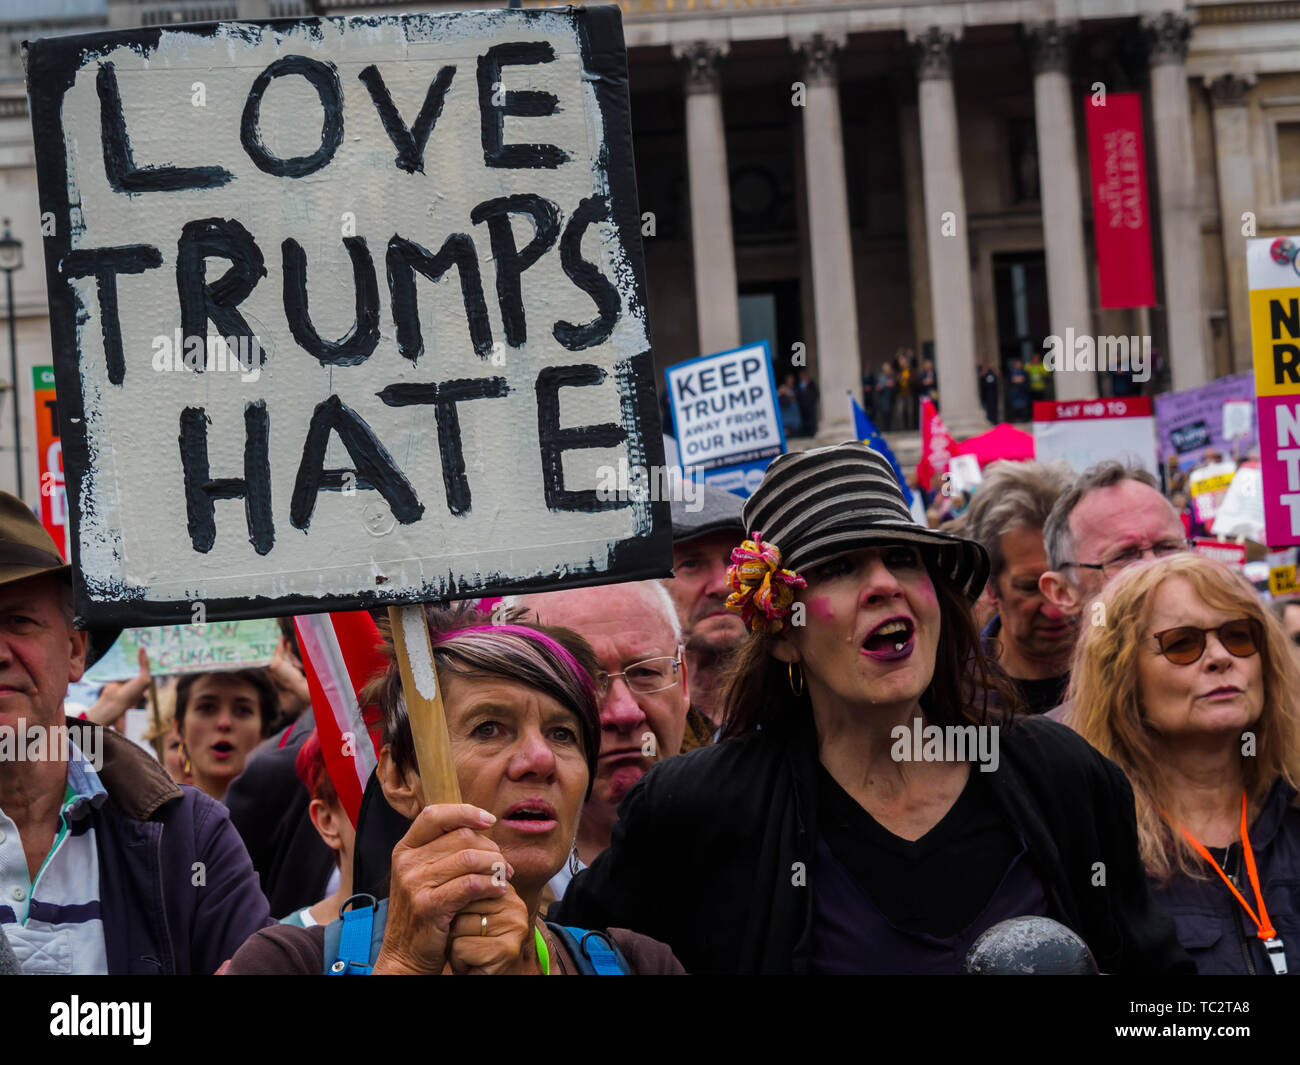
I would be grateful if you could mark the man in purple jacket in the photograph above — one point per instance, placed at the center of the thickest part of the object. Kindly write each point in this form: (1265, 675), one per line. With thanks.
(106, 866)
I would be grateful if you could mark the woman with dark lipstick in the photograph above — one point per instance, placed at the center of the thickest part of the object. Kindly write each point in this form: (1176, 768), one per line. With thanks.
(1191, 688)
(845, 824)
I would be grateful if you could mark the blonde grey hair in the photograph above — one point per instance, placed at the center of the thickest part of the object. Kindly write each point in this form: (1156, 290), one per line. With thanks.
(1013, 495)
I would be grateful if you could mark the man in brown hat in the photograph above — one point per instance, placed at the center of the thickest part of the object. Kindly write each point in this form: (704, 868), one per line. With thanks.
(155, 880)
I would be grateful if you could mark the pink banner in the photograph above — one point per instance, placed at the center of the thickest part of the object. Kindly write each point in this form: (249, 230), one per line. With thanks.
(1279, 454)
(1121, 218)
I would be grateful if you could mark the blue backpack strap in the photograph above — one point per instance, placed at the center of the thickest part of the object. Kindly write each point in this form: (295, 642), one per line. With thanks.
(352, 942)
(594, 952)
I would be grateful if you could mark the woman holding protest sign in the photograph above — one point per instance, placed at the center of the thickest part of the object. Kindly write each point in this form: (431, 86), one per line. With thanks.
(467, 879)
(221, 716)
(867, 811)
(1191, 688)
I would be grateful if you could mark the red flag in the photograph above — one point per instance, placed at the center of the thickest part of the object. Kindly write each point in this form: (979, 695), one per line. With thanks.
(340, 653)
(936, 445)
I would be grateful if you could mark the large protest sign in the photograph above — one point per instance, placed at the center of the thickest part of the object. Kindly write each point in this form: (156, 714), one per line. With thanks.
(724, 409)
(419, 238)
(1274, 276)
(1083, 433)
(1193, 421)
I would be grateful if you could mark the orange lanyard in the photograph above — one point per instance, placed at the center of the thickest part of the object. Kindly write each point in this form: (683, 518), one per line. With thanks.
(1267, 934)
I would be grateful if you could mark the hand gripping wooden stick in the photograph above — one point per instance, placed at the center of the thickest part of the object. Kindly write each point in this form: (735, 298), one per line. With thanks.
(424, 707)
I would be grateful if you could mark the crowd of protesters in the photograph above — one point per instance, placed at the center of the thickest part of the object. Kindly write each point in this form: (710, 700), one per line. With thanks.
(835, 741)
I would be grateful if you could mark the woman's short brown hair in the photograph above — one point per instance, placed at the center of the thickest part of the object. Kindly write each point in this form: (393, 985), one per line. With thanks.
(554, 660)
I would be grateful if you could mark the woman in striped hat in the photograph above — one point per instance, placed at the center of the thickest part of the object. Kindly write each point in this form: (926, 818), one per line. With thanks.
(867, 811)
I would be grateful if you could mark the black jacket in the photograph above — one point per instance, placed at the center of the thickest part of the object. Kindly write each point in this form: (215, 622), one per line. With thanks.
(713, 850)
(1211, 923)
(178, 894)
(268, 805)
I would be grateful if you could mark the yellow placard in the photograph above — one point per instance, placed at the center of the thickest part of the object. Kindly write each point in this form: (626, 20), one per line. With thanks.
(1212, 484)
(1281, 581)
(1275, 340)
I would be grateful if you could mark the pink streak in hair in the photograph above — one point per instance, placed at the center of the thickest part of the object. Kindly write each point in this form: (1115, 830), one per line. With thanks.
(552, 645)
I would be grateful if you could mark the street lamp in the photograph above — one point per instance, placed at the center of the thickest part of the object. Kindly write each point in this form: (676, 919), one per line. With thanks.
(11, 259)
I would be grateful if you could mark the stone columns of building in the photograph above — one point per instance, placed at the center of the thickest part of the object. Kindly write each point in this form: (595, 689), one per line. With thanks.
(1236, 196)
(1180, 222)
(1062, 202)
(918, 264)
(717, 302)
(945, 228)
(839, 363)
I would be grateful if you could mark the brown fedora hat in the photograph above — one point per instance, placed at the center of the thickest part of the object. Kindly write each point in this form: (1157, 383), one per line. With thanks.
(27, 550)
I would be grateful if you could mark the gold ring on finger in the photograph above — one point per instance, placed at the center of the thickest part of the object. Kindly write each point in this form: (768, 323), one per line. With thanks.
(482, 928)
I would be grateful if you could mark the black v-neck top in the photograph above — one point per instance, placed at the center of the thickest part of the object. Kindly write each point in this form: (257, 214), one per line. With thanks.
(937, 885)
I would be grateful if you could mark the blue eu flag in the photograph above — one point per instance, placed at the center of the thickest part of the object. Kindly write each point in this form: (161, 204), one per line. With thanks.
(865, 430)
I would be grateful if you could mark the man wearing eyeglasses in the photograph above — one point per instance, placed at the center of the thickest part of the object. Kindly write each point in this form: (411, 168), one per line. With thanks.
(1112, 517)
(633, 629)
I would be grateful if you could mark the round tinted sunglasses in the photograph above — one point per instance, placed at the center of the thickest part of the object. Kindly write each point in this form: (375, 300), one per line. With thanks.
(1185, 644)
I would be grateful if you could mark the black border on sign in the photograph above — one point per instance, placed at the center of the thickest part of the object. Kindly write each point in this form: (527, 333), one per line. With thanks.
(52, 64)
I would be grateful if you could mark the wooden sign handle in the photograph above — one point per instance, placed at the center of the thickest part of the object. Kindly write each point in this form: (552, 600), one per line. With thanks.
(159, 740)
(424, 707)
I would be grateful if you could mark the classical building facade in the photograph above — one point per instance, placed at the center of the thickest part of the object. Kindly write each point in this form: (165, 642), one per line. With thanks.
(845, 178)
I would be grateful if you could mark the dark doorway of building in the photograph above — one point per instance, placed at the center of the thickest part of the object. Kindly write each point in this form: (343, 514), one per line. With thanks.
(1020, 291)
(769, 310)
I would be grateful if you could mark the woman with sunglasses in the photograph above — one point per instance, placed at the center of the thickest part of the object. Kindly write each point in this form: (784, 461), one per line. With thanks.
(1191, 688)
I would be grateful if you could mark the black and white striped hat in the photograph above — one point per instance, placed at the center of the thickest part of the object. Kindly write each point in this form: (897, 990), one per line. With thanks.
(815, 505)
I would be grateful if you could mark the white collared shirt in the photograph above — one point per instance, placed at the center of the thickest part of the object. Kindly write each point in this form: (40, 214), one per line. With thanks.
(54, 924)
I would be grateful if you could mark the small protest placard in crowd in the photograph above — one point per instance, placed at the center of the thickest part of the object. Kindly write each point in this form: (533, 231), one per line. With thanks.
(1085, 432)
(189, 649)
(724, 409)
(346, 311)
(49, 458)
(1209, 417)
(1241, 510)
(1208, 486)
(1228, 553)
(1238, 418)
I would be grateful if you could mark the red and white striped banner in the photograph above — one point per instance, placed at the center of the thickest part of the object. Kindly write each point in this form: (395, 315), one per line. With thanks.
(340, 653)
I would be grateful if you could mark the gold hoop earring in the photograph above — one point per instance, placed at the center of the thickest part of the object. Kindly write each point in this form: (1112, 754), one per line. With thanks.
(790, 673)
(187, 766)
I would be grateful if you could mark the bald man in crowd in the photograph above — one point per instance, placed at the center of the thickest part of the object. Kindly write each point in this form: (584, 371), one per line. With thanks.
(642, 686)
(1112, 517)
